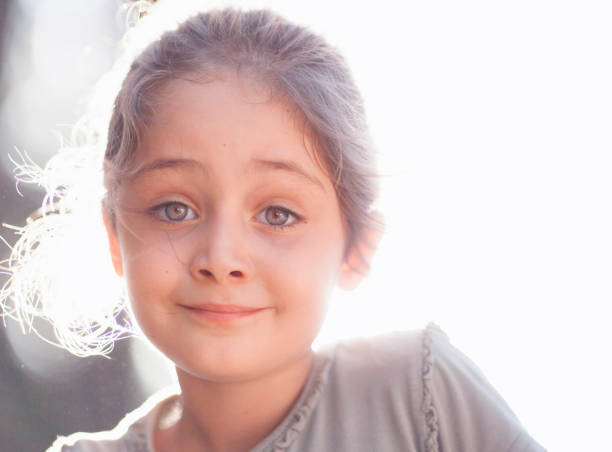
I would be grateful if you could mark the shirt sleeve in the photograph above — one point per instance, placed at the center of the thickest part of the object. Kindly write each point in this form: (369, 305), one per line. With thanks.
(81, 446)
(463, 412)
(70, 444)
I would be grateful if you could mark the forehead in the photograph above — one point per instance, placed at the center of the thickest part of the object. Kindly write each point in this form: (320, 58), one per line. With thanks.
(226, 117)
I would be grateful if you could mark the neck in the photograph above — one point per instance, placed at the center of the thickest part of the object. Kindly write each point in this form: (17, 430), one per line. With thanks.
(235, 416)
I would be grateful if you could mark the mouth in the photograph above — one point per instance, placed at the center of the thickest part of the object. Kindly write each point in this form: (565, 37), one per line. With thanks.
(222, 313)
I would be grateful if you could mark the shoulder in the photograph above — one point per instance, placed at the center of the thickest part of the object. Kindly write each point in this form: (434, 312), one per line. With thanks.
(421, 376)
(134, 438)
(132, 433)
(379, 368)
(462, 409)
(398, 349)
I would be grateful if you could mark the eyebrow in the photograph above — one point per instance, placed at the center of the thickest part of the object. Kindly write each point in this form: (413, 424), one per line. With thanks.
(260, 164)
(288, 166)
(161, 164)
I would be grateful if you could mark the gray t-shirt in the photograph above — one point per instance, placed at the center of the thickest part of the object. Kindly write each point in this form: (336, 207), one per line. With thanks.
(409, 391)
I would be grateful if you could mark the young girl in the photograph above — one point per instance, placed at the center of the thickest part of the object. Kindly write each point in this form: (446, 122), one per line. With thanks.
(240, 180)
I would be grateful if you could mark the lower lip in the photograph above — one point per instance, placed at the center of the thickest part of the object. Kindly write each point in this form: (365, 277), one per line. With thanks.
(223, 317)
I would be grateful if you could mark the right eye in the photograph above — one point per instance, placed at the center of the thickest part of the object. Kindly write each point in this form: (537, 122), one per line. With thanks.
(173, 212)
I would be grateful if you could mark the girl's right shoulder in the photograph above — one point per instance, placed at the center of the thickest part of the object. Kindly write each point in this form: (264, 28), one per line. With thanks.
(134, 433)
(72, 444)
(132, 440)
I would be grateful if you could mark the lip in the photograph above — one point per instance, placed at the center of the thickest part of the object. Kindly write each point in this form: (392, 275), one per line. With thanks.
(222, 313)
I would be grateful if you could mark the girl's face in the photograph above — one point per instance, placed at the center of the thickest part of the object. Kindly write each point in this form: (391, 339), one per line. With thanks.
(229, 236)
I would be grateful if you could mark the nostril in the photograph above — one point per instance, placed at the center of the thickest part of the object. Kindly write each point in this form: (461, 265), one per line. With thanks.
(208, 273)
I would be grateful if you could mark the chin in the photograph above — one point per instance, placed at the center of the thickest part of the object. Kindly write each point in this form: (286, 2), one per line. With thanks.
(225, 372)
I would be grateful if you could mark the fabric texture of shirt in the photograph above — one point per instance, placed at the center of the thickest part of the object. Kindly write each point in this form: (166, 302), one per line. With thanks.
(409, 391)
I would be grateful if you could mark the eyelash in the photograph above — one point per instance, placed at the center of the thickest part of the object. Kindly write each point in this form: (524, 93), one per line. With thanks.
(290, 213)
(159, 210)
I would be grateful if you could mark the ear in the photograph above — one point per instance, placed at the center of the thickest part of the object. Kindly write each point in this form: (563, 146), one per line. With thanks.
(359, 257)
(113, 241)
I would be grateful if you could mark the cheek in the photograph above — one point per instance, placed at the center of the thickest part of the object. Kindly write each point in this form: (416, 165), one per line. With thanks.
(150, 284)
(307, 269)
(149, 272)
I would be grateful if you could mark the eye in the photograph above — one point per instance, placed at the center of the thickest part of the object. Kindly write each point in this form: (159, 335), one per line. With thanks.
(279, 217)
(173, 212)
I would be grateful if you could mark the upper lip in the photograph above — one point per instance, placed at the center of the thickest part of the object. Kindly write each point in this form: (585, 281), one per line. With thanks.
(221, 307)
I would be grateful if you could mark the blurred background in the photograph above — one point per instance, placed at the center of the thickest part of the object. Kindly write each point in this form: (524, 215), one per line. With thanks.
(52, 54)
(493, 121)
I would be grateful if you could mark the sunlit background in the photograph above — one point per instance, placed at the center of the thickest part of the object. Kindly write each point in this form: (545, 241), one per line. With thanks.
(493, 120)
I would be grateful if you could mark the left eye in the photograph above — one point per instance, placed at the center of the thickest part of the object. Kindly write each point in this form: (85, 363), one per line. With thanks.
(173, 212)
(278, 216)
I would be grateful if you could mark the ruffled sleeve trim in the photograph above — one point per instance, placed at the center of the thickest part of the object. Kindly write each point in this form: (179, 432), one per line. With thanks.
(428, 406)
(295, 423)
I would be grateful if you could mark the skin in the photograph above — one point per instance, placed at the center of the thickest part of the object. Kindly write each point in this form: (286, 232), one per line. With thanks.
(200, 223)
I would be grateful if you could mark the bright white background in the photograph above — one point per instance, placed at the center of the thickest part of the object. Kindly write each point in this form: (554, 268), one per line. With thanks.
(493, 121)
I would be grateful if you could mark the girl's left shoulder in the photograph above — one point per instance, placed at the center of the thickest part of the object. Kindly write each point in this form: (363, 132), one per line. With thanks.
(421, 376)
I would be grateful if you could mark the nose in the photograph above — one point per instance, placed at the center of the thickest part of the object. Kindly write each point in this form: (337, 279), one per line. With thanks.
(220, 254)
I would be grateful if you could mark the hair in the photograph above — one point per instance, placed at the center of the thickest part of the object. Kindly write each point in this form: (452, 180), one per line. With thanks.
(296, 64)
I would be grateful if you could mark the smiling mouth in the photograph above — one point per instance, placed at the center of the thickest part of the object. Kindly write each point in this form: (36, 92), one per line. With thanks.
(222, 313)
